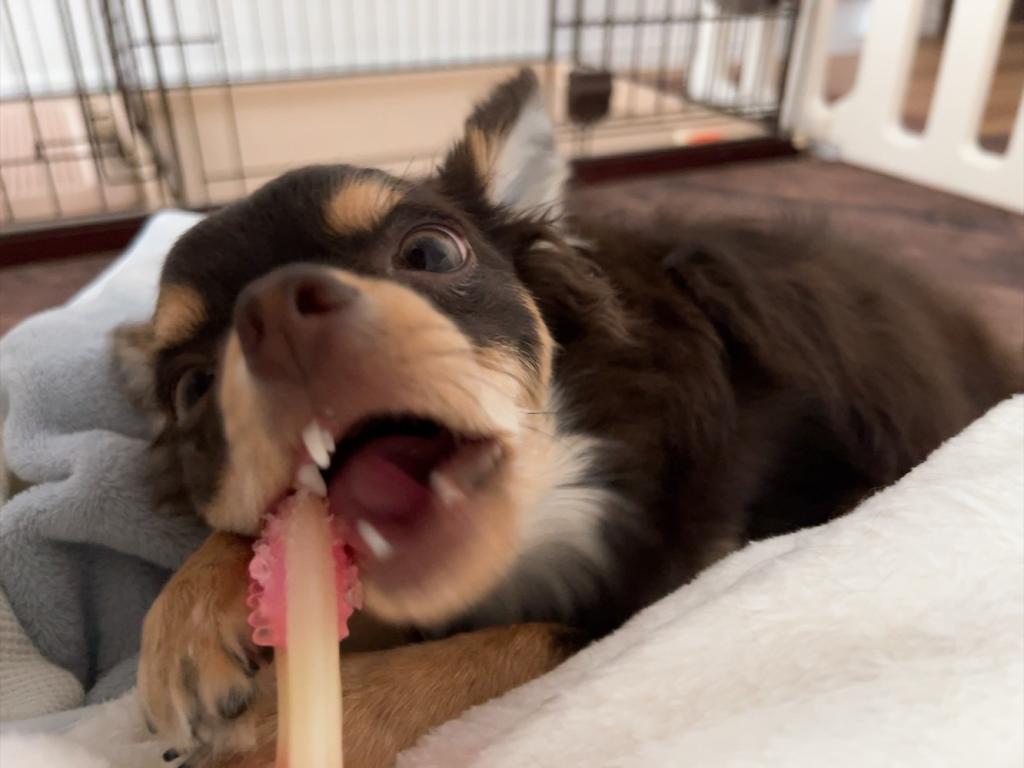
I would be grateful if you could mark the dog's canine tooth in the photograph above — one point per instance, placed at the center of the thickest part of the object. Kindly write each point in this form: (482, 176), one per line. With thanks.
(308, 478)
(490, 457)
(445, 489)
(312, 437)
(328, 439)
(470, 471)
(380, 546)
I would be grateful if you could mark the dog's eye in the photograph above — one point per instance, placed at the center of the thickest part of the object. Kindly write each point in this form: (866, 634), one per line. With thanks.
(432, 249)
(191, 389)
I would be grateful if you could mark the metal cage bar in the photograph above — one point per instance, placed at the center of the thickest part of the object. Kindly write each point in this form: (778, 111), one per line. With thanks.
(196, 102)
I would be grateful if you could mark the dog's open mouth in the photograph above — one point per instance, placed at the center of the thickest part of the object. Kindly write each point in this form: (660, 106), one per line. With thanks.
(389, 479)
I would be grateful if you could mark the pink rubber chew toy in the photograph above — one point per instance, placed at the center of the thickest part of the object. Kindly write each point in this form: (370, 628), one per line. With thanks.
(302, 591)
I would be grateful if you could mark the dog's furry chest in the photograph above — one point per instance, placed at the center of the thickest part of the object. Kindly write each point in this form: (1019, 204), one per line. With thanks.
(564, 562)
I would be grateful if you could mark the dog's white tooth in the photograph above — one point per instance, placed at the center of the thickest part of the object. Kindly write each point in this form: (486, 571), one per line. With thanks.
(470, 470)
(380, 546)
(445, 489)
(489, 458)
(309, 478)
(328, 439)
(313, 439)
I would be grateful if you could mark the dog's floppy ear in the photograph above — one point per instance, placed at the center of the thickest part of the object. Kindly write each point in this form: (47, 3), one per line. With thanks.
(133, 349)
(507, 156)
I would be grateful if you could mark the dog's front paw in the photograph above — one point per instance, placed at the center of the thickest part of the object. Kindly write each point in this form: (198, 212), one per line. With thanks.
(199, 673)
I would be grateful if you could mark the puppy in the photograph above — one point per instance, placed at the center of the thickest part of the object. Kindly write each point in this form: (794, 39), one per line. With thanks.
(530, 425)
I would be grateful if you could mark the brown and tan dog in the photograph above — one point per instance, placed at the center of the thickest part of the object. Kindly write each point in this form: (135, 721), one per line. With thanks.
(531, 425)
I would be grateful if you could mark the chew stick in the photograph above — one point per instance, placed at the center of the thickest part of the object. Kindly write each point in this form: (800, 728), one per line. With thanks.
(301, 594)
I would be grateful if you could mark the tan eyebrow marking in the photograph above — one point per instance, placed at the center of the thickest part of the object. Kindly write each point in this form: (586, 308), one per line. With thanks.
(179, 311)
(360, 205)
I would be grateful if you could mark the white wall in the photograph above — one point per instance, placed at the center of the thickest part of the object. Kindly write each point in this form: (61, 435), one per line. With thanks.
(293, 38)
(264, 38)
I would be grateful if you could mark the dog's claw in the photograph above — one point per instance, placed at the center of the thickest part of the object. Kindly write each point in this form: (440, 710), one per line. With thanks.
(234, 704)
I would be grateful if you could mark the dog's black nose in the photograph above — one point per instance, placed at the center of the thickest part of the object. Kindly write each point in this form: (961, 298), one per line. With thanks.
(285, 319)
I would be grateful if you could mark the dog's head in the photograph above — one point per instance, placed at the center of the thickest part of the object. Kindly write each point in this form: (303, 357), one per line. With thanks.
(345, 329)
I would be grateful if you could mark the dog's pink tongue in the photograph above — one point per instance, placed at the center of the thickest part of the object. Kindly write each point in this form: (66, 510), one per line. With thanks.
(388, 478)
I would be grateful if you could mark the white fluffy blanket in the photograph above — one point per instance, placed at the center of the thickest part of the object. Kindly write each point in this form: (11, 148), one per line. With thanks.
(894, 636)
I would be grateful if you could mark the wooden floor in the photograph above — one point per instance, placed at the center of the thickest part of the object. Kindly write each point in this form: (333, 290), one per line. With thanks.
(974, 249)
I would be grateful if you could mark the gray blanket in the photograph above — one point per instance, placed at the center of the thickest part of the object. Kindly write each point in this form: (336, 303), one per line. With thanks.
(82, 554)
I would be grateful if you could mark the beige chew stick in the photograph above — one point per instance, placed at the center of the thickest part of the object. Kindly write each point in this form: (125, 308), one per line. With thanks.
(309, 666)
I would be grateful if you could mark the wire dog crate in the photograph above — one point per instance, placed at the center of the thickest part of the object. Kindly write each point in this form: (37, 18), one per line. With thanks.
(118, 107)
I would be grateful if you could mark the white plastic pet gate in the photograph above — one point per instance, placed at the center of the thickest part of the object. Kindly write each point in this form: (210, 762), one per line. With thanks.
(864, 127)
